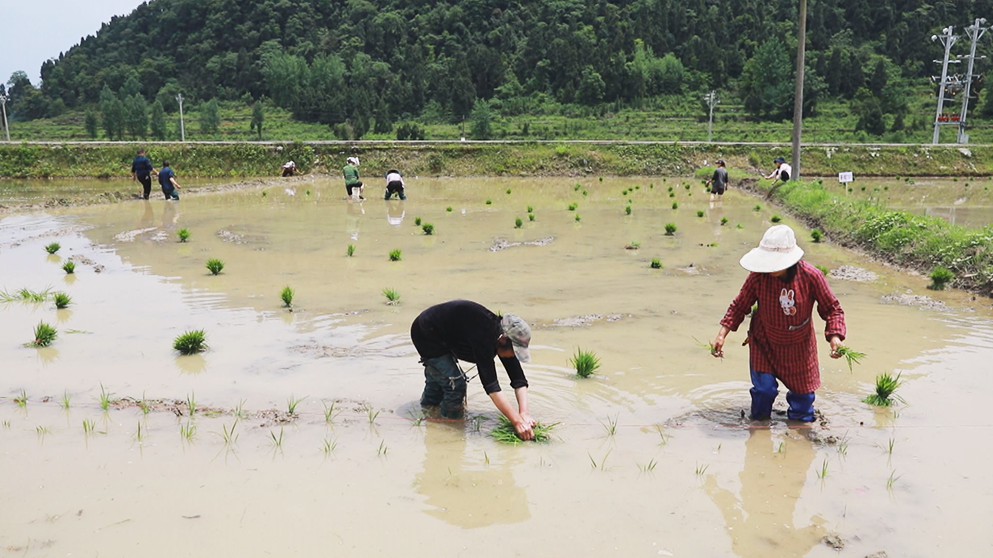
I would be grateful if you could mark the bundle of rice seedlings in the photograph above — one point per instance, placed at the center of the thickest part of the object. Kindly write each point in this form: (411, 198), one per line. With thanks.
(851, 356)
(586, 363)
(886, 384)
(191, 342)
(52, 248)
(215, 266)
(69, 266)
(287, 296)
(44, 334)
(505, 433)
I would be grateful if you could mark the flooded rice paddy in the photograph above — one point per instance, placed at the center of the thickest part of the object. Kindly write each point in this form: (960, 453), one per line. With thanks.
(650, 458)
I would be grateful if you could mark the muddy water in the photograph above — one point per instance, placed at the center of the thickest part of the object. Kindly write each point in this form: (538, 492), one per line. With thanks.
(681, 475)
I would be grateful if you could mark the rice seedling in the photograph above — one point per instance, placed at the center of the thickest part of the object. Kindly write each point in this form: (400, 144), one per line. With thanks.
(573, 206)
(757, 208)
(781, 448)
(287, 296)
(44, 334)
(656, 263)
(381, 451)
(52, 248)
(663, 437)
(371, 414)
(228, 435)
(850, 356)
(699, 213)
(191, 342)
(775, 218)
(531, 217)
(188, 431)
(486, 458)
(939, 277)
(634, 245)
(823, 471)
(183, 234)
(308, 192)
(601, 179)
(69, 267)
(104, 398)
(505, 433)
(586, 363)
(508, 190)
(670, 229)
(350, 251)
(672, 194)
(291, 404)
(66, 400)
(739, 226)
(709, 346)
(675, 205)
(843, 448)
(42, 431)
(329, 446)
(489, 202)
(62, 300)
(890, 445)
(395, 255)
(191, 404)
(143, 405)
(417, 221)
(701, 469)
(88, 426)
(611, 425)
(577, 187)
(139, 434)
(892, 480)
(416, 418)
(6, 424)
(578, 218)
(637, 187)
(648, 467)
(215, 266)
(883, 395)
(428, 229)
(329, 413)
(823, 269)
(264, 193)
(724, 221)
(624, 192)
(449, 209)
(392, 296)
(530, 209)
(816, 235)
(276, 441)
(518, 223)
(22, 399)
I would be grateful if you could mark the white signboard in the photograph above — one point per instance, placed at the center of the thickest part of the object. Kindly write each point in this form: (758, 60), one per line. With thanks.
(845, 177)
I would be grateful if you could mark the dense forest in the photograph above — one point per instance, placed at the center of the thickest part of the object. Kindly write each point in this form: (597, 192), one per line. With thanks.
(364, 65)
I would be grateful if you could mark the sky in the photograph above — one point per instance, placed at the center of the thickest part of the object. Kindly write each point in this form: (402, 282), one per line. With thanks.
(35, 30)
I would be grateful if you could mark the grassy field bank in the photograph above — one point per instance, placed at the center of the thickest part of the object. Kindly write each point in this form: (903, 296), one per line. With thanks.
(216, 160)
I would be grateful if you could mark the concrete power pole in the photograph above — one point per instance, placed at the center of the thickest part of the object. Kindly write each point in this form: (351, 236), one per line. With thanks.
(182, 125)
(712, 101)
(975, 31)
(801, 50)
(948, 40)
(3, 106)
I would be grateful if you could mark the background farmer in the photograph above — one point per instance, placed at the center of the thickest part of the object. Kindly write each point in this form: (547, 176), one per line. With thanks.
(718, 182)
(465, 330)
(167, 179)
(142, 170)
(394, 184)
(353, 186)
(782, 173)
(781, 340)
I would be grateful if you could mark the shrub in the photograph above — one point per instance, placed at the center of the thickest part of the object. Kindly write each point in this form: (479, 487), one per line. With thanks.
(215, 266)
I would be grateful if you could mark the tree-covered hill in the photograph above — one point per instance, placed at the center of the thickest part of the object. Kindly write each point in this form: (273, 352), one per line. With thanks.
(366, 64)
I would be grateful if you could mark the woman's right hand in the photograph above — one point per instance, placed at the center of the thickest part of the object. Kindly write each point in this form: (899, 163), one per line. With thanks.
(718, 350)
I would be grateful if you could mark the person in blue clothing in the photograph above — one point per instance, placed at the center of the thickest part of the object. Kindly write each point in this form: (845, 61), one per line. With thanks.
(142, 171)
(167, 179)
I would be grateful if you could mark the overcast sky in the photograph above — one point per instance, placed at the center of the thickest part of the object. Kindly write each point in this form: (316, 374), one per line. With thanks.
(35, 30)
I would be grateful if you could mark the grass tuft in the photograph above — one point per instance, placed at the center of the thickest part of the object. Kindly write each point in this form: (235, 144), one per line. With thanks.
(44, 334)
(940, 276)
(191, 342)
(287, 296)
(52, 248)
(392, 296)
(586, 363)
(816, 235)
(215, 266)
(886, 384)
(505, 433)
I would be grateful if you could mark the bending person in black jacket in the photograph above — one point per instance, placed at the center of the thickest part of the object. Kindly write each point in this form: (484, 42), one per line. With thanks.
(465, 330)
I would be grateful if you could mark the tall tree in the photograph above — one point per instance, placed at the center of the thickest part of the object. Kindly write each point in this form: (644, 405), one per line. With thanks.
(258, 118)
(136, 116)
(91, 124)
(158, 121)
(210, 117)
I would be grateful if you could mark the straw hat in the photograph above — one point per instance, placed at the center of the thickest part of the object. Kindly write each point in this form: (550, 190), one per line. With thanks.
(776, 252)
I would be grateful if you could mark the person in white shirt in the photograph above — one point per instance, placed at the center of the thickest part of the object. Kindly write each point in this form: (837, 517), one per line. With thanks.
(394, 184)
(783, 171)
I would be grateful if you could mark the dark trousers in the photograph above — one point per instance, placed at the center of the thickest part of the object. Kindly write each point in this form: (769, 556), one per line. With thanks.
(394, 188)
(444, 385)
(348, 188)
(170, 193)
(146, 185)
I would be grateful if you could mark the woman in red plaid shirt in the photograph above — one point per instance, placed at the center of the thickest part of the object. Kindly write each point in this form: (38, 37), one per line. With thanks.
(781, 339)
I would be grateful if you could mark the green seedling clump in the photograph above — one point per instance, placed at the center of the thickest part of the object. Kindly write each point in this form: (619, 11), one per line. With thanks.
(816, 235)
(530, 209)
(586, 363)
(823, 269)
(69, 267)
(506, 434)
(448, 209)
(627, 210)
(775, 218)
(428, 229)
(573, 206)
(851, 357)
(939, 277)
(670, 229)
(508, 190)
(757, 207)
(675, 205)
(724, 221)
(215, 266)
(192, 342)
(489, 202)
(699, 213)
(395, 255)
(530, 216)
(518, 223)
(392, 296)
(578, 218)
(287, 296)
(656, 263)
(350, 251)
(44, 334)
(62, 300)
(183, 234)
(886, 384)
(52, 248)
(417, 221)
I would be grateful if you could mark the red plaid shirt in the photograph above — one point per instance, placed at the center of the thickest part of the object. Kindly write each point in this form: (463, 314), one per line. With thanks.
(781, 337)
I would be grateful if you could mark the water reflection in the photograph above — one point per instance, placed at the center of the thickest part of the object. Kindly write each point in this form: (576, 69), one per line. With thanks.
(191, 364)
(759, 521)
(147, 216)
(395, 212)
(461, 495)
(47, 355)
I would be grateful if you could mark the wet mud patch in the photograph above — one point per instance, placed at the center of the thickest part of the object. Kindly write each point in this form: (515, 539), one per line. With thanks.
(67, 231)
(586, 320)
(920, 301)
(852, 273)
(502, 243)
(87, 261)
(130, 236)
(240, 237)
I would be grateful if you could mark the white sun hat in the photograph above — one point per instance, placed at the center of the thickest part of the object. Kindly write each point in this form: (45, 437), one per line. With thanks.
(776, 252)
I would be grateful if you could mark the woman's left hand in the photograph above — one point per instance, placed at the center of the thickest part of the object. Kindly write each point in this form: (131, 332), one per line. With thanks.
(835, 344)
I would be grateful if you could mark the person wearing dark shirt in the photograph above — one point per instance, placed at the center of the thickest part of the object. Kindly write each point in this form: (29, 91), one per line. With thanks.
(167, 179)
(466, 330)
(142, 170)
(718, 182)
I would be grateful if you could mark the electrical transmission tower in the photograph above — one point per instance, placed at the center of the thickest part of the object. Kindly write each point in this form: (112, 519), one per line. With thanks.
(975, 31)
(712, 101)
(956, 84)
(947, 39)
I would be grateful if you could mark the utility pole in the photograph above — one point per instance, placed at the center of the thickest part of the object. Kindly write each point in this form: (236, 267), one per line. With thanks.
(712, 101)
(948, 40)
(3, 105)
(801, 49)
(182, 125)
(975, 32)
